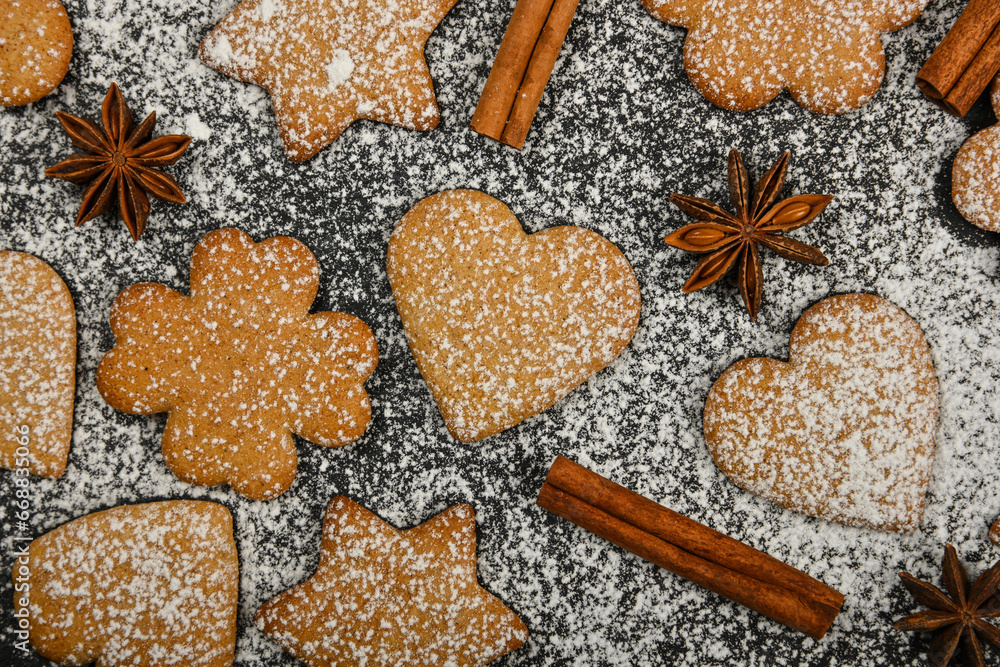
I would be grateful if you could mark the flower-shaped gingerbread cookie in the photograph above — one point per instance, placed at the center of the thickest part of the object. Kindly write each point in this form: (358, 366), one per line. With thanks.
(240, 364)
(845, 430)
(828, 55)
(975, 178)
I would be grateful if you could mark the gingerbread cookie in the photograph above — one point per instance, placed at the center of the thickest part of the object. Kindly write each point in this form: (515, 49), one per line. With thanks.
(152, 584)
(845, 430)
(388, 597)
(828, 55)
(240, 364)
(502, 324)
(327, 64)
(37, 366)
(36, 44)
(995, 532)
(975, 177)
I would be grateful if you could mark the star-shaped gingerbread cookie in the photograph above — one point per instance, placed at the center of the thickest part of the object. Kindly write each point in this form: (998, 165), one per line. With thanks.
(328, 63)
(387, 597)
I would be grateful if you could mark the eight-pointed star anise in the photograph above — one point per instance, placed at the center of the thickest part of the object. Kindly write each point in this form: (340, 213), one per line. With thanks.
(958, 616)
(118, 164)
(726, 238)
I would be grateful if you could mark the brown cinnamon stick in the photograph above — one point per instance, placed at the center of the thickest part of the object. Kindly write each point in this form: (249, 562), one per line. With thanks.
(690, 549)
(943, 72)
(540, 66)
(976, 78)
(508, 69)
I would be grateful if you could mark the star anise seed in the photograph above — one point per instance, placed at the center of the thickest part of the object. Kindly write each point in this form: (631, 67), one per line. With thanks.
(118, 166)
(958, 616)
(731, 241)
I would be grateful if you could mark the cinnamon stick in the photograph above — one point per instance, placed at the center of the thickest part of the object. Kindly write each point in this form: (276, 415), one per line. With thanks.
(543, 60)
(944, 70)
(976, 78)
(690, 549)
(508, 69)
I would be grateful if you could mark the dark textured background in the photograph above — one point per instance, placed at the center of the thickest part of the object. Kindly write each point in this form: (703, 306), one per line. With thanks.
(619, 129)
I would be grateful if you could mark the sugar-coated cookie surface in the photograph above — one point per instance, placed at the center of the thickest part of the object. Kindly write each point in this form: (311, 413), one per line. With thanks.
(327, 64)
(975, 177)
(139, 585)
(37, 365)
(845, 430)
(741, 54)
(503, 324)
(36, 44)
(387, 597)
(240, 364)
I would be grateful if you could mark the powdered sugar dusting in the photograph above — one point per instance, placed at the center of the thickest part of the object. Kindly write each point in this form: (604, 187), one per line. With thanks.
(389, 597)
(37, 365)
(140, 584)
(845, 430)
(619, 129)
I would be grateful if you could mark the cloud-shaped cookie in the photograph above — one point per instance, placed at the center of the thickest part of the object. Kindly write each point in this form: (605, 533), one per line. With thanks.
(975, 178)
(828, 55)
(152, 584)
(240, 364)
(845, 430)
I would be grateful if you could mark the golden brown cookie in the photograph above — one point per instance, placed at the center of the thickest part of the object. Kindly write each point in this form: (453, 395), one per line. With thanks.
(36, 43)
(845, 430)
(328, 64)
(37, 366)
(240, 364)
(142, 585)
(388, 597)
(975, 177)
(828, 55)
(502, 324)
(995, 532)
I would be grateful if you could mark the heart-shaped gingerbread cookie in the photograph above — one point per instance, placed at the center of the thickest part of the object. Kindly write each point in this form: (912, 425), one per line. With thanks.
(503, 324)
(845, 430)
(37, 366)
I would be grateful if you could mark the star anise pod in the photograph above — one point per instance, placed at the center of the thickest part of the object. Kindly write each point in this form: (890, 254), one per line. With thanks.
(118, 164)
(727, 238)
(958, 616)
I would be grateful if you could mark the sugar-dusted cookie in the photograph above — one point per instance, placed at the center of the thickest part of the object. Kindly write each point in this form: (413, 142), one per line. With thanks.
(502, 324)
(388, 597)
(145, 585)
(975, 177)
(36, 43)
(828, 55)
(328, 64)
(240, 364)
(845, 430)
(995, 532)
(37, 366)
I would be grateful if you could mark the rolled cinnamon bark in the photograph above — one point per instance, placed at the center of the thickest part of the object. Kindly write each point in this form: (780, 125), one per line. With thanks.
(508, 69)
(976, 78)
(540, 66)
(687, 548)
(945, 68)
